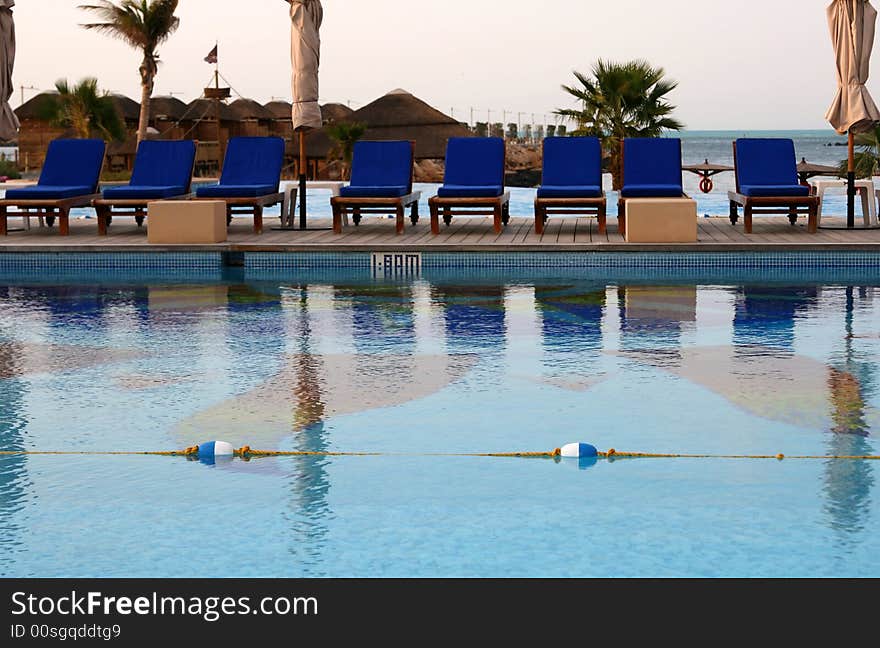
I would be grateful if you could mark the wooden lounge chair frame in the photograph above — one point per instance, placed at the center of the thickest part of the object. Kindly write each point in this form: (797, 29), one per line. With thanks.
(247, 206)
(48, 208)
(342, 206)
(496, 206)
(546, 207)
(137, 207)
(792, 206)
(621, 201)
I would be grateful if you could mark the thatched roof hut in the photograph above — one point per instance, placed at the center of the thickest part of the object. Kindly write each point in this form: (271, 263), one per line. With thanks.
(248, 109)
(128, 109)
(334, 112)
(252, 119)
(399, 109)
(167, 108)
(280, 110)
(399, 115)
(201, 108)
(35, 107)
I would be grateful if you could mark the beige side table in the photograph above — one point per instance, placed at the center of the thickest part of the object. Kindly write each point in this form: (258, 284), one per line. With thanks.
(171, 222)
(661, 220)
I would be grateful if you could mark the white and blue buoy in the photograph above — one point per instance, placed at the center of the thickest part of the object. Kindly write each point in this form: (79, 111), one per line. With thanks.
(213, 449)
(579, 451)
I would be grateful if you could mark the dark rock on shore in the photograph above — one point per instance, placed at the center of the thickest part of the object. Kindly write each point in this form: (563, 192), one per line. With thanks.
(523, 178)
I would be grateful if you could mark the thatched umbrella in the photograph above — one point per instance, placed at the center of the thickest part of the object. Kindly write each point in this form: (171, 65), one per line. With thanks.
(706, 171)
(807, 170)
(8, 120)
(306, 17)
(852, 24)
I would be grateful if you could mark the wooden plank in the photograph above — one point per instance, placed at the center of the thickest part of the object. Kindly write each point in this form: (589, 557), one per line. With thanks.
(581, 233)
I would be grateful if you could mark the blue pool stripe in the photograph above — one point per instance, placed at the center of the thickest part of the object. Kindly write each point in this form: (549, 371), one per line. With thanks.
(41, 261)
(513, 260)
(216, 261)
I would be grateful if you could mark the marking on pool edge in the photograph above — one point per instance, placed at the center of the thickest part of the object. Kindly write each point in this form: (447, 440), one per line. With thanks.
(397, 263)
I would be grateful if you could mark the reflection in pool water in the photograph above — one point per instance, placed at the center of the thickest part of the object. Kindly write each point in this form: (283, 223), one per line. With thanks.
(416, 370)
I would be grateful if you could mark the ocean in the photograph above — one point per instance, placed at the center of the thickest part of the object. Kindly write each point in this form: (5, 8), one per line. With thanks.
(817, 146)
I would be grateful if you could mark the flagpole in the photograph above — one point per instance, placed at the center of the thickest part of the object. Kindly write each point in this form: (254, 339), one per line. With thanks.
(217, 98)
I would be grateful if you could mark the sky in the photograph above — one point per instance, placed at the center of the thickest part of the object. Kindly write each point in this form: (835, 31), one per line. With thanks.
(740, 65)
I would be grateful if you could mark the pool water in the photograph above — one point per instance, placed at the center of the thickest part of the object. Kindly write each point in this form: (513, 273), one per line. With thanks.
(422, 371)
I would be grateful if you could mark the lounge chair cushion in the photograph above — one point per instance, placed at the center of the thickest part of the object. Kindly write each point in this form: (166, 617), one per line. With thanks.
(469, 191)
(373, 192)
(651, 191)
(135, 192)
(570, 191)
(236, 191)
(253, 162)
(651, 163)
(765, 162)
(47, 192)
(163, 164)
(475, 162)
(783, 191)
(572, 161)
(381, 167)
(73, 163)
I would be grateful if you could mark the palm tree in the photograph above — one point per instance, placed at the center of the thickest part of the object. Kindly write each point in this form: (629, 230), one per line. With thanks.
(867, 158)
(143, 24)
(84, 109)
(621, 100)
(345, 135)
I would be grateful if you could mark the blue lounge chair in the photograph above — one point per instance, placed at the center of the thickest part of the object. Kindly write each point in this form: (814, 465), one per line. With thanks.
(162, 171)
(69, 179)
(571, 181)
(251, 178)
(381, 183)
(767, 183)
(473, 183)
(651, 169)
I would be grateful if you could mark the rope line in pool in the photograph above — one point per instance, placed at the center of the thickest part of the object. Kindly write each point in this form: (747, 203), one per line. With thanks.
(581, 450)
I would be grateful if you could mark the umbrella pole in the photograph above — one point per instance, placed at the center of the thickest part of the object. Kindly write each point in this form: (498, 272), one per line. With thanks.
(851, 184)
(303, 161)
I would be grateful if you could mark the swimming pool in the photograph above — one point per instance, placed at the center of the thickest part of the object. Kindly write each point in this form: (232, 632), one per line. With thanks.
(421, 370)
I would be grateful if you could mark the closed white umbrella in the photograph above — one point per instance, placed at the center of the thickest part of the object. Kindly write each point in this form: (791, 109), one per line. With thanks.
(306, 17)
(8, 120)
(852, 24)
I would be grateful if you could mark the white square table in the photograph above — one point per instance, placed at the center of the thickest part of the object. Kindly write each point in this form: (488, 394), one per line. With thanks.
(866, 190)
(288, 207)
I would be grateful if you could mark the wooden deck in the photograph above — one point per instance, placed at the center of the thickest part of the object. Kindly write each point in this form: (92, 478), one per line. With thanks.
(464, 235)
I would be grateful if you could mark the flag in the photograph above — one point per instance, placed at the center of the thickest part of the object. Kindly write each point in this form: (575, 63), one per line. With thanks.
(212, 56)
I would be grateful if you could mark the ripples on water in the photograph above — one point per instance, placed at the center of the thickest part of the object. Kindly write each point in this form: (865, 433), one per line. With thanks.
(759, 362)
